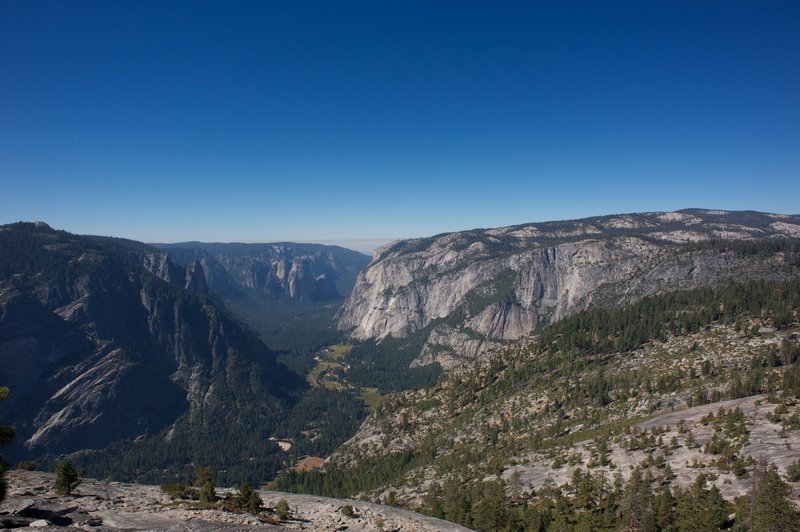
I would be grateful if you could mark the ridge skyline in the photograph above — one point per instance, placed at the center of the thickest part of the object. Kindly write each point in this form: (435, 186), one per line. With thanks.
(368, 245)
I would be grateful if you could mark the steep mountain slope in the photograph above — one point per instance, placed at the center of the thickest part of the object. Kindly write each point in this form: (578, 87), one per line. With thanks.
(670, 403)
(465, 292)
(282, 271)
(105, 339)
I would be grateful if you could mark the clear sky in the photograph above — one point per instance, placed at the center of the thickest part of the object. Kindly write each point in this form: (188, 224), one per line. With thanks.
(358, 122)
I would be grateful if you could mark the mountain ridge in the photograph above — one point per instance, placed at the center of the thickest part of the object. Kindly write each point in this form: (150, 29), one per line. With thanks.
(98, 348)
(272, 272)
(469, 290)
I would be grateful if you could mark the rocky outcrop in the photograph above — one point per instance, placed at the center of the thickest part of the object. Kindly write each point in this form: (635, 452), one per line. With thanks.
(470, 290)
(111, 506)
(191, 277)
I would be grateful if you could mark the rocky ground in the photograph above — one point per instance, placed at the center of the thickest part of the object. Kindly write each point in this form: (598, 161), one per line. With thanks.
(765, 439)
(109, 506)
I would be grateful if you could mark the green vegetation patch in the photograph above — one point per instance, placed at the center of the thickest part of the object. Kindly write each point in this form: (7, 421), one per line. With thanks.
(322, 366)
(497, 290)
(371, 397)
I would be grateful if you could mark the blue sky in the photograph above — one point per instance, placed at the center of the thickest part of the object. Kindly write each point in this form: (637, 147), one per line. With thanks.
(358, 122)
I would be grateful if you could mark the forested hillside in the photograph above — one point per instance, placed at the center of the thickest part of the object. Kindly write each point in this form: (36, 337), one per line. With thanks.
(572, 427)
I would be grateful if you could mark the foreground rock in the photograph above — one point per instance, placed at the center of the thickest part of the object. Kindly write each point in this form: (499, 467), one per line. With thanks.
(107, 506)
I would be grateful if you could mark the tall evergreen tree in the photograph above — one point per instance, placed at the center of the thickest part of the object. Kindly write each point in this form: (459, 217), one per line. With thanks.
(664, 511)
(204, 479)
(716, 511)
(636, 507)
(771, 510)
(699, 508)
(490, 513)
(6, 435)
(67, 478)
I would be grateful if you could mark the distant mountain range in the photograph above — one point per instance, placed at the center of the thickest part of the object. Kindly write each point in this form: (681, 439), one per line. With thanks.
(275, 272)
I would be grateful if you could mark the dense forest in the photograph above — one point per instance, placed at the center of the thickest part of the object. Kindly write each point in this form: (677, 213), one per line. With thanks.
(385, 365)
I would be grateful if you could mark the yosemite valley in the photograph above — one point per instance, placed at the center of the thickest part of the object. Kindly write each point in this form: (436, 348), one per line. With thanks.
(636, 370)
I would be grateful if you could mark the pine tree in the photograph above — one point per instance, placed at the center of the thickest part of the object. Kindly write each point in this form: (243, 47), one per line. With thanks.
(67, 478)
(282, 510)
(699, 508)
(455, 502)
(6, 435)
(771, 510)
(663, 509)
(204, 479)
(716, 510)
(248, 499)
(636, 507)
(490, 513)
(689, 505)
(432, 502)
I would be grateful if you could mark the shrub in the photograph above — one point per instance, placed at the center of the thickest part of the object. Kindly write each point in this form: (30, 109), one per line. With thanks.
(204, 479)
(27, 465)
(793, 471)
(282, 510)
(180, 492)
(248, 500)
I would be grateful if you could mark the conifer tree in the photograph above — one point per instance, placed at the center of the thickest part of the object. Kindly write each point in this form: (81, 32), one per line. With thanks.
(67, 478)
(248, 499)
(204, 479)
(636, 506)
(716, 511)
(771, 509)
(490, 512)
(663, 509)
(6, 435)
(282, 510)
(455, 504)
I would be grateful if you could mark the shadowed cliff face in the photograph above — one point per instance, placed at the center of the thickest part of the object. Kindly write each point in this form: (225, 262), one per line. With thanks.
(97, 348)
(469, 290)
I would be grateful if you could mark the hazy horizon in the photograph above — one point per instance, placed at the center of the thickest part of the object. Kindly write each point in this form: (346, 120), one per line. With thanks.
(364, 245)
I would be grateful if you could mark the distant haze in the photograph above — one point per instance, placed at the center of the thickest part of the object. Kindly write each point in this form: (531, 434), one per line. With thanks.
(364, 245)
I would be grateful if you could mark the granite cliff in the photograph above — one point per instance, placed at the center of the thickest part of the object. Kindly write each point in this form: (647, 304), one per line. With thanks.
(276, 272)
(468, 291)
(105, 339)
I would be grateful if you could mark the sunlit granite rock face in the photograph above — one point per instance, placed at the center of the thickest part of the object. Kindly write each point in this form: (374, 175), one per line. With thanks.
(469, 290)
